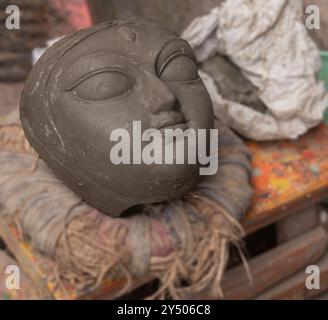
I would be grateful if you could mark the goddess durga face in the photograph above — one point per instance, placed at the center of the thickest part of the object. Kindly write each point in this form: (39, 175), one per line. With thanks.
(102, 79)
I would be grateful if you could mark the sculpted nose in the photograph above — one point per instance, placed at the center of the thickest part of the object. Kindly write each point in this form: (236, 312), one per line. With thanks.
(164, 99)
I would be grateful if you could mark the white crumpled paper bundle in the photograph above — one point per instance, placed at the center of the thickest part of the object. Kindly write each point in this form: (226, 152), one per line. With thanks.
(267, 40)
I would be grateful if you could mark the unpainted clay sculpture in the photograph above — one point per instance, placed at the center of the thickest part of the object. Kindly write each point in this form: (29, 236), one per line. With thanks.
(104, 78)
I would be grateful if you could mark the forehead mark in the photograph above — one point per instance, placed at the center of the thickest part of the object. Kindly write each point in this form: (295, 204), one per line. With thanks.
(127, 34)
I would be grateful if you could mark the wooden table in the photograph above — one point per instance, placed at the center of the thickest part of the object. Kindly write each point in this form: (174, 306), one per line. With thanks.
(290, 180)
(288, 177)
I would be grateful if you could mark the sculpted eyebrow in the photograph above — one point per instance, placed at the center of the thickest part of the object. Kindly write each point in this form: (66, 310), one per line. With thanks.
(82, 68)
(88, 66)
(172, 49)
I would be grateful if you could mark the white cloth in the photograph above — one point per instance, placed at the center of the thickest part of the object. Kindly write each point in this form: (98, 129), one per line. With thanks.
(38, 52)
(268, 42)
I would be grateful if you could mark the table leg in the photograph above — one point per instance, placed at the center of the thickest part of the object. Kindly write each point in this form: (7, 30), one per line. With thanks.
(297, 224)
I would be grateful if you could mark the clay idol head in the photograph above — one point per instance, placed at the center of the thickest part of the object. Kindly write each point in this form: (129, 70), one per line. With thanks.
(121, 74)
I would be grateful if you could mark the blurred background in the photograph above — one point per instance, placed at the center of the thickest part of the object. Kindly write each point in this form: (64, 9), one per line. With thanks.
(42, 20)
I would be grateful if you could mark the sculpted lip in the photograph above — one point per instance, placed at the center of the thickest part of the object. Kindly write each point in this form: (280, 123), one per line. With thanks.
(172, 123)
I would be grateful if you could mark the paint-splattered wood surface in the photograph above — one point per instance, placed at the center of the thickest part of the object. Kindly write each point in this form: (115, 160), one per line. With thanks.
(14, 284)
(288, 176)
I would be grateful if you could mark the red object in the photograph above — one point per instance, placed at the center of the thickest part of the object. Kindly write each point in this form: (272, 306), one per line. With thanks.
(77, 12)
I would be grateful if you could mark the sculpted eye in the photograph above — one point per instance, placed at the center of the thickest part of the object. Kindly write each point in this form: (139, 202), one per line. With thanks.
(102, 85)
(179, 69)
